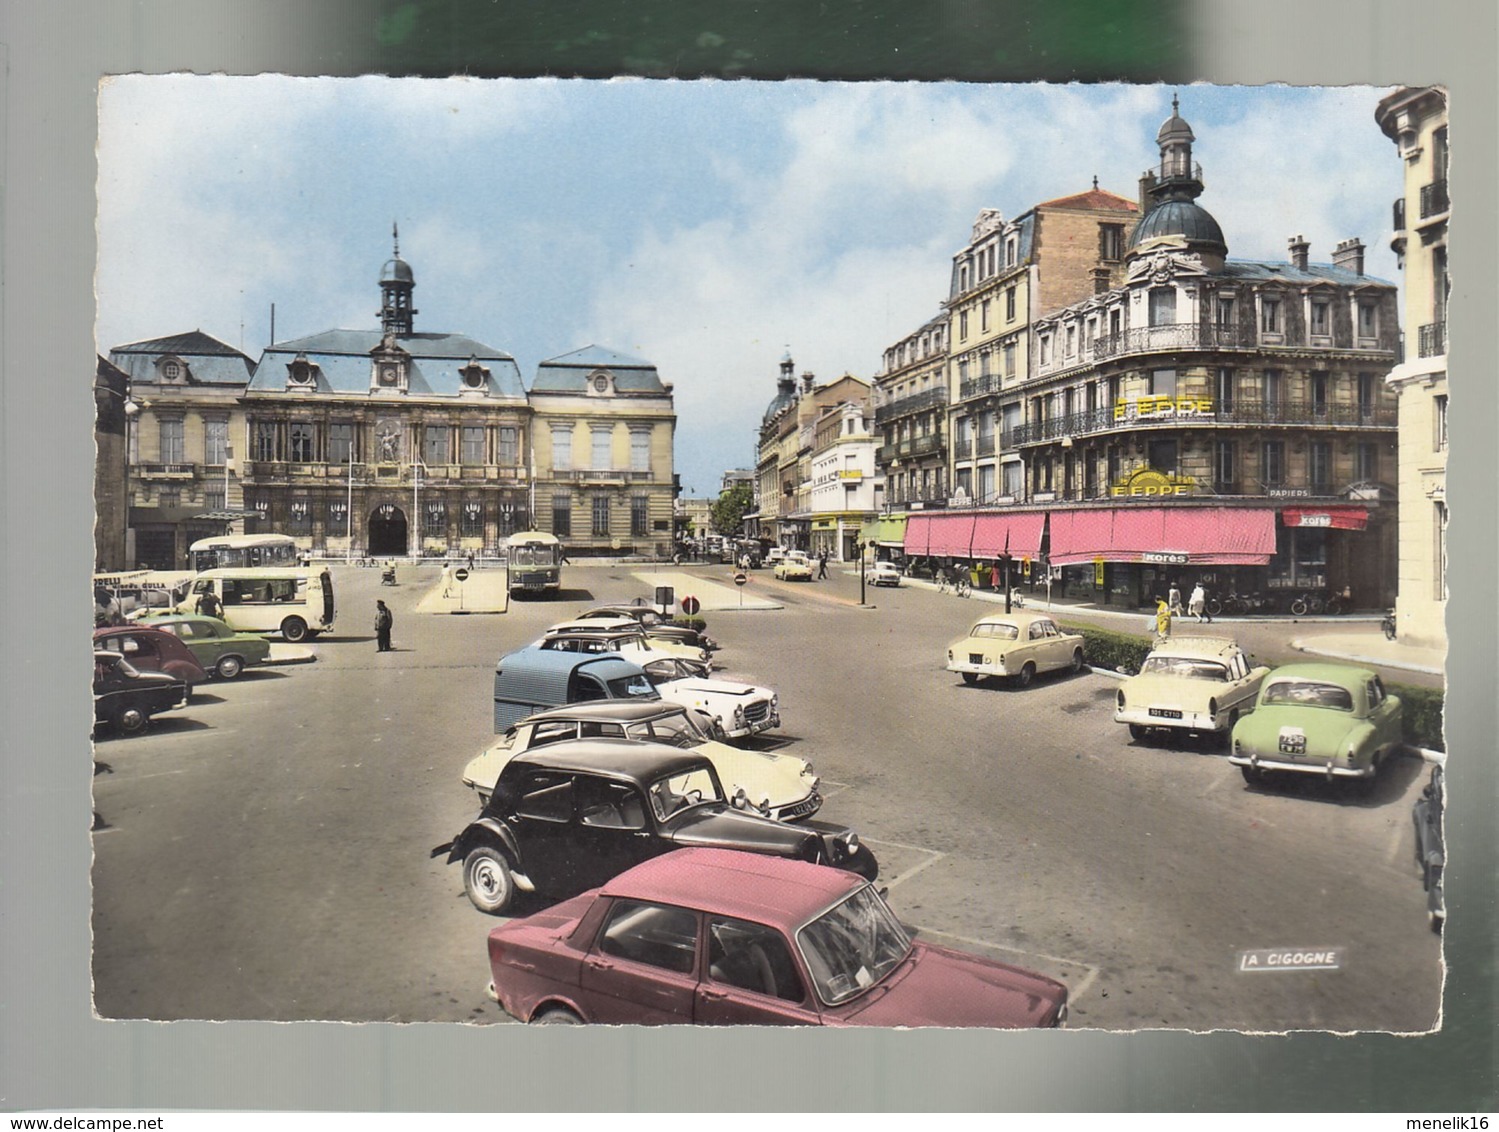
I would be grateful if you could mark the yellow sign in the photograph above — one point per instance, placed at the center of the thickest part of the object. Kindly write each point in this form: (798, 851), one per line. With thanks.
(1025, 566)
(1098, 573)
(1161, 406)
(1148, 483)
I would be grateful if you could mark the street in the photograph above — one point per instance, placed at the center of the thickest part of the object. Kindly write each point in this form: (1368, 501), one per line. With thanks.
(263, 853)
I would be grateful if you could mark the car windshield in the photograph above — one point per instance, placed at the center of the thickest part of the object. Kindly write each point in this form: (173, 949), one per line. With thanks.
(1183, 668)
(532, 555)
(852, 946)
(675, 730)
(998, 631)
(634, 686)
(680, 792)
(1309, 693)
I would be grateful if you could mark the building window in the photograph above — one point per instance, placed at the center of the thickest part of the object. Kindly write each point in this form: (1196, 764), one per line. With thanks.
(1163, 306)
(640, 450)
(1273, 393)
(562, 515)
(1226, 383)
(471, 447)
(1011, 248)
(299, 516)
(1269, 315)
(509, 453)
(301, 433)
(963, 327)
(601, 440)
(472, 520)
(171, 440)
(1045, 350)
(1111, 242)
(1164, 455)
(169, 497)
(215, 442)
(1321, 318)
(1010, 304)
(340, 442)
(1273, 463)
(1439, 421)
(600, 516)
(1071, 340)
(1163, 383)
(1439, 524)
(1366, 395)
(265, 440)
(338, 517)
(964, 482)
(1225, 314)
(1319, 393)
(1116, 322)
(1366, 465)
(640, 507)
(984, 315)
(1320, 471)
(1226, 465)
(1368, 320)
(436, 513)
(213, 497)
(435, 447)
(562, 449)
(986, 483)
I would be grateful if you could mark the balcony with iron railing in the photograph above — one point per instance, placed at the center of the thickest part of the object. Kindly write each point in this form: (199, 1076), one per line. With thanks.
(1434, 200)
(978, 387)
(1433, 340)
(166, 471)
(1282, 413)
(1174, 336)
(932, 398)
(910, 448)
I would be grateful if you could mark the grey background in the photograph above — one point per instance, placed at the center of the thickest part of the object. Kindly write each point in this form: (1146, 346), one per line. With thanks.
(54, 1055)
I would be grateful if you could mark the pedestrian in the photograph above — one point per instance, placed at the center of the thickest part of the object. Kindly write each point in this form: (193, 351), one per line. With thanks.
(208, 604)
(383, 623)
(822, 564)
(471, 561)
(1197, 604)
(1174, 600)
(994, 577)
(1162, 621)
(447, 578)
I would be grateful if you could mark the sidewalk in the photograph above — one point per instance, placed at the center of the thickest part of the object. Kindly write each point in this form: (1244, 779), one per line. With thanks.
(485, 591)
(1367, 644)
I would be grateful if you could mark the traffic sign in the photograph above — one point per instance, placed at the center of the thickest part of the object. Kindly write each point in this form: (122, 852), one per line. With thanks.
(740, 579)
(690, 605)
(461, 574)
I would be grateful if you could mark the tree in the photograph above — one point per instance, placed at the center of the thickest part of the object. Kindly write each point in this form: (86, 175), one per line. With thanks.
(731, 507)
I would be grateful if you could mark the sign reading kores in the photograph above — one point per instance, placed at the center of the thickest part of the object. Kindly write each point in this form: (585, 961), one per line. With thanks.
(1147, 483)
(1162, 406)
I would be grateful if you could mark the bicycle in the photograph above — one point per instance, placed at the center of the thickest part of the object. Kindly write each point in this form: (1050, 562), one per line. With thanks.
(963, 586)
(1388, 625)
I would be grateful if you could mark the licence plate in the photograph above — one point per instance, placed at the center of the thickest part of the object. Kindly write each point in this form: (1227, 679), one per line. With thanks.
(975, 658)
(1165, 713)
(1293, 744)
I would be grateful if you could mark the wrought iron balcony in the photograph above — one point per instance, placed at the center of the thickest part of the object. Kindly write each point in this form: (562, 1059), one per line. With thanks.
(1433, 340)
(914, 446)
(932, 398)
(978, 386)
(1176, 336)
(984, 444)
(1434, 200)
(169, 471)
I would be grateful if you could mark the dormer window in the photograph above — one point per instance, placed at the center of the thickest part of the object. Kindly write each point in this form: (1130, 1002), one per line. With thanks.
(600, 383)
(474, 375)
(300, 371)
(171, 370)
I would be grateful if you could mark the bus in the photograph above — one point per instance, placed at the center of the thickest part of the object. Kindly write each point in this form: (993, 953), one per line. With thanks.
(534, 560)
(295, 601)
(242, 552)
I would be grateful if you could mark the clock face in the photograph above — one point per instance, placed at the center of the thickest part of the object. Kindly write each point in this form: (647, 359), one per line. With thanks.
(601, 385)
(387, 375)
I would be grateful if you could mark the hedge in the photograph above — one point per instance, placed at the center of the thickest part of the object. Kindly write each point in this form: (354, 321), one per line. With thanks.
(1422, 707)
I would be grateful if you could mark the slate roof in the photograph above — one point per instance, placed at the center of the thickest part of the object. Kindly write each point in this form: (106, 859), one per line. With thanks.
(342, 358)
(209, 361)
(1259, 271)
(1179, 218)
(568, 373)
(1093, 199)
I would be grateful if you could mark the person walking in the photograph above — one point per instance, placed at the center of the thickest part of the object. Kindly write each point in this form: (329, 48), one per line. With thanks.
(471, 562)
(1174, 600)
(208, 604)
(1162, 621)
(384, 621)
(447, 578)
(994, 577)
(822, 564)
(1197, 604)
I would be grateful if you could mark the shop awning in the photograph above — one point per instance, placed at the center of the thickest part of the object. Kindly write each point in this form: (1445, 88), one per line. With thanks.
(1196, 536)
(918, 534)
(1021, 534)
(951, 535)
(1338, 518)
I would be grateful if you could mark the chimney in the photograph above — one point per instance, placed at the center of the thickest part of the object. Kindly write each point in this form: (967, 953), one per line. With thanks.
(1100, 280)
(807, 380)
(1349, 254)
(1299, 248)
(1147, 182)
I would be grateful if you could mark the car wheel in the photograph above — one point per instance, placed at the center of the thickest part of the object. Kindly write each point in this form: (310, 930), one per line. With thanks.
(1077, 660)
(557, 1016)
(1138, 733)
(229, 667)
(130, 720)
(1026, 674)
(970, 677)
(487, 879)
(294, 629)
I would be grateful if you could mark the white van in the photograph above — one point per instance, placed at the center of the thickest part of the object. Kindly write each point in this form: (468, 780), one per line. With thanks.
(296, 602)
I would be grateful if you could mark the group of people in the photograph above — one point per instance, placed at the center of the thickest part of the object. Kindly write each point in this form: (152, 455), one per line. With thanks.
(1170, 607)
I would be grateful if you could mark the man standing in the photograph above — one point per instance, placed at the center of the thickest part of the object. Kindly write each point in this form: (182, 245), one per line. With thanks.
(822, 564)
(1198, 602)
(208, 604)
(383, 622)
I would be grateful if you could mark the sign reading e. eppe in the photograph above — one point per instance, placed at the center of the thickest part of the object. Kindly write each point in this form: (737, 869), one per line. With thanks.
(1292, 959)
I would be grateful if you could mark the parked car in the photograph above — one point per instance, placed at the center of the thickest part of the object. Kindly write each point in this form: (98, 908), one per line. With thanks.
(1015, 646)
(1190, 684)
(1431, 844)
(884, 574)
(533, 679)
(654, 624)
(783, 787)
(567, 817)
(152, 650)
(716, 937)
(128, 697)
(774, 555)
(795, 567)
(740, 709)
(221, 650)
(623, 636)
(1331, 720)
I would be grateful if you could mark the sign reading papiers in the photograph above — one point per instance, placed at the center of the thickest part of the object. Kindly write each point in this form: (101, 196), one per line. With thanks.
(1147, 483)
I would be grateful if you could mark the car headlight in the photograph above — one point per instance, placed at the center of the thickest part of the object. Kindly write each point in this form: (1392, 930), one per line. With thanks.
(738, 716)
(1213, 706)
(851, 842)
(1120, 699)
(775, 702)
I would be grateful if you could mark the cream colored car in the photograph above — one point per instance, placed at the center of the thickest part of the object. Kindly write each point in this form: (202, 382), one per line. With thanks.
(1190, 684)
(1016, 646)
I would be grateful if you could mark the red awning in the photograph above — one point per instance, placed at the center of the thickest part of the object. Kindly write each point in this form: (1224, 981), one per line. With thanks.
(1197, 536)
(918, 534)
(1338, 518)
(1021, 534)
(952, 535)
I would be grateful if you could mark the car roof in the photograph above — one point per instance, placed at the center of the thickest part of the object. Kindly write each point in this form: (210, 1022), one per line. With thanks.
(619, 758)
(1327, 673)
(534, 658)
(585, 629)
(611, 710)
(728, 882)
(1018, 619)
(1206, 648)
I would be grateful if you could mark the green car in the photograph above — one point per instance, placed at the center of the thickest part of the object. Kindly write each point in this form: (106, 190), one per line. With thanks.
(220, 650)
(1332, 720)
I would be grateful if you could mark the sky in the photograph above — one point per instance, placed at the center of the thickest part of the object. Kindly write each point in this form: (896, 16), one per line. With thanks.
(707, 227)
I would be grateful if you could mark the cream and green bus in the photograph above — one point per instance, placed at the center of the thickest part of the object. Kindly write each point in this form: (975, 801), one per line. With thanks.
(295, 601)
(534, 561)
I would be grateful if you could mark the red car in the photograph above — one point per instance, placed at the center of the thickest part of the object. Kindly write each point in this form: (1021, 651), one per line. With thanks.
(152, 650)
(716, 936)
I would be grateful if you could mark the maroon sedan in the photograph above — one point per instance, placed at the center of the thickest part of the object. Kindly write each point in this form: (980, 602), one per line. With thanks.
(152, 650)
(715, 936)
